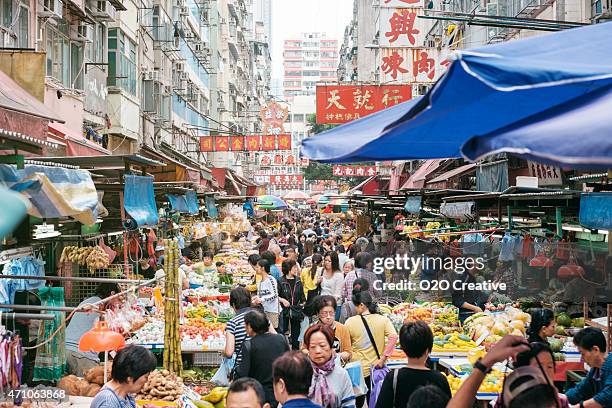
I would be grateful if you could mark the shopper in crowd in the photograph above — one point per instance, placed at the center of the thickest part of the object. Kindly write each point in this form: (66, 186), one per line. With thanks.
(292, 376)
(428, 396)
(235, 330)
(308, 249)
(267, 293)
(363, 269)
(342, 256)
(292, 300)
(300, 245)
(332, 278)
(131, 368)
(348, 308)
(291, 254)
(274, 269)
(347, 267)
(360, 245)
(253, 259)
(596, 389)
(246, 393)
(77, 361)
(308, 232)
(263, 242)
(324, 307)
(260, 351)
(373, 337)
(416, 340)
(311, 278)
(542, 325)
(331, 384)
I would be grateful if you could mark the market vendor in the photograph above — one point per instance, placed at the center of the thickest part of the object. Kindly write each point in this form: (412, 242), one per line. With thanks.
(159, 256)
(146, 270)
(183, 271)
(469, 301)
(78, 361)
(596, 389)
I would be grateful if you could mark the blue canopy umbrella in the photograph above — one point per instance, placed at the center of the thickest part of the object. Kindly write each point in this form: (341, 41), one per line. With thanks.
(486, 92)
(270, 202)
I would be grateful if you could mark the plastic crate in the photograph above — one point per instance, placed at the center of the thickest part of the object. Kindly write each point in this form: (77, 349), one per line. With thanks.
(207, 359)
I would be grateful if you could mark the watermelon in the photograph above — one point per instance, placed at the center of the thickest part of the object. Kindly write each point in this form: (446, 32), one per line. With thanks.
(563, 319)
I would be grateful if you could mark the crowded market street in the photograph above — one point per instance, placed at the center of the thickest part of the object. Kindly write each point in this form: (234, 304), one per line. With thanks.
(305, 204)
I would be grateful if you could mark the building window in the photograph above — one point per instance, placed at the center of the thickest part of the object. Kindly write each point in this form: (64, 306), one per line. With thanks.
(94, 50)
(596, 7)
(311, 73)
(64, 58)
(328, 55)
(121, 61)
(23, 27)
(293, 73)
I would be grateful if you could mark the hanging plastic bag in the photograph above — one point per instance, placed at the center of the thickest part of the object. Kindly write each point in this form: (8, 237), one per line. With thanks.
(356, 375)
(377, 376)
(109, 251)
(221, 377)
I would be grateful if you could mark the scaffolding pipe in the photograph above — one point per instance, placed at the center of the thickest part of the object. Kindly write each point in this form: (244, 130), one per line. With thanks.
(73, 279)
(28, 316)
(41, 308)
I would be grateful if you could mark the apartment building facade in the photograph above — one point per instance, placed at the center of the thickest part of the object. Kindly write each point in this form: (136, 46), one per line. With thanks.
(308, 59)
(127, 76)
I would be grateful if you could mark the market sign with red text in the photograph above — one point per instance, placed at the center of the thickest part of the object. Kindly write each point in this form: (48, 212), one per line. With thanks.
(287, 181)
(252, 143)
(344, 103)
(353, 171)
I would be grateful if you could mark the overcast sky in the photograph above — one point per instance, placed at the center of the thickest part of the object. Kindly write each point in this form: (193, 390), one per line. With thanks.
(291, 17)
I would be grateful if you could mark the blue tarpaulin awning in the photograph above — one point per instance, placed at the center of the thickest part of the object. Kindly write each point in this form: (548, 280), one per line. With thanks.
(54, 192)
(187, 203)
(139, 199)
(596, 210)
(510, 92)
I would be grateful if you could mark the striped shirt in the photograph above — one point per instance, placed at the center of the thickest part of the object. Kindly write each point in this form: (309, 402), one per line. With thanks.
(107, 398)
(236, 327)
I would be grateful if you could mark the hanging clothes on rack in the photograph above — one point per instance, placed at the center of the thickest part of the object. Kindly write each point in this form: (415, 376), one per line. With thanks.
(25, 266)
(506, 253)
(50, 362)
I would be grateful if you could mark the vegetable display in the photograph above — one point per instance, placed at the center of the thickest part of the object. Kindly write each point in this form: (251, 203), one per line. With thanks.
(162, 385)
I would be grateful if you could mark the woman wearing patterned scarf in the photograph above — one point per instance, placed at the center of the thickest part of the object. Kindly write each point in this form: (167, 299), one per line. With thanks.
(331, 385)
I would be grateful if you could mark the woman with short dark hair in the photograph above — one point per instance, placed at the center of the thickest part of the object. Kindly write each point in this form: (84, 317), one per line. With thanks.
(131, 368)
(260, 351)
(416, 340)
(331, 385)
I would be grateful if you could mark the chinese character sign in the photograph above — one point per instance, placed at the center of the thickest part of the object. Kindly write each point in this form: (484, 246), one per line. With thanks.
(252, 143)
(273, 115)
(402, 27)
(413, 65)
(547, 175)
(344, 103)
(353, 171)
(287, 181)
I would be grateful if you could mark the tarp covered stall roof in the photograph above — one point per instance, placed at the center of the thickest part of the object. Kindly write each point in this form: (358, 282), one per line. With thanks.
(596, 210)
(185, 203)
(457, 172)
(139, 199)
(417, 179)
(54, 192)
(104, 162)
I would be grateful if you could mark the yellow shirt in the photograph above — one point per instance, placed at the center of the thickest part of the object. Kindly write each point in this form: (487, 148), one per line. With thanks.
(307, 281)
(381, 328)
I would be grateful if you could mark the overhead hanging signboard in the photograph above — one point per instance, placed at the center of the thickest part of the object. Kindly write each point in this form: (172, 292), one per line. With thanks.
(353, 171)
(547, 175)
(402, 27)
(413, 65)
(343, 103)
(252, 143)
(401, 3)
